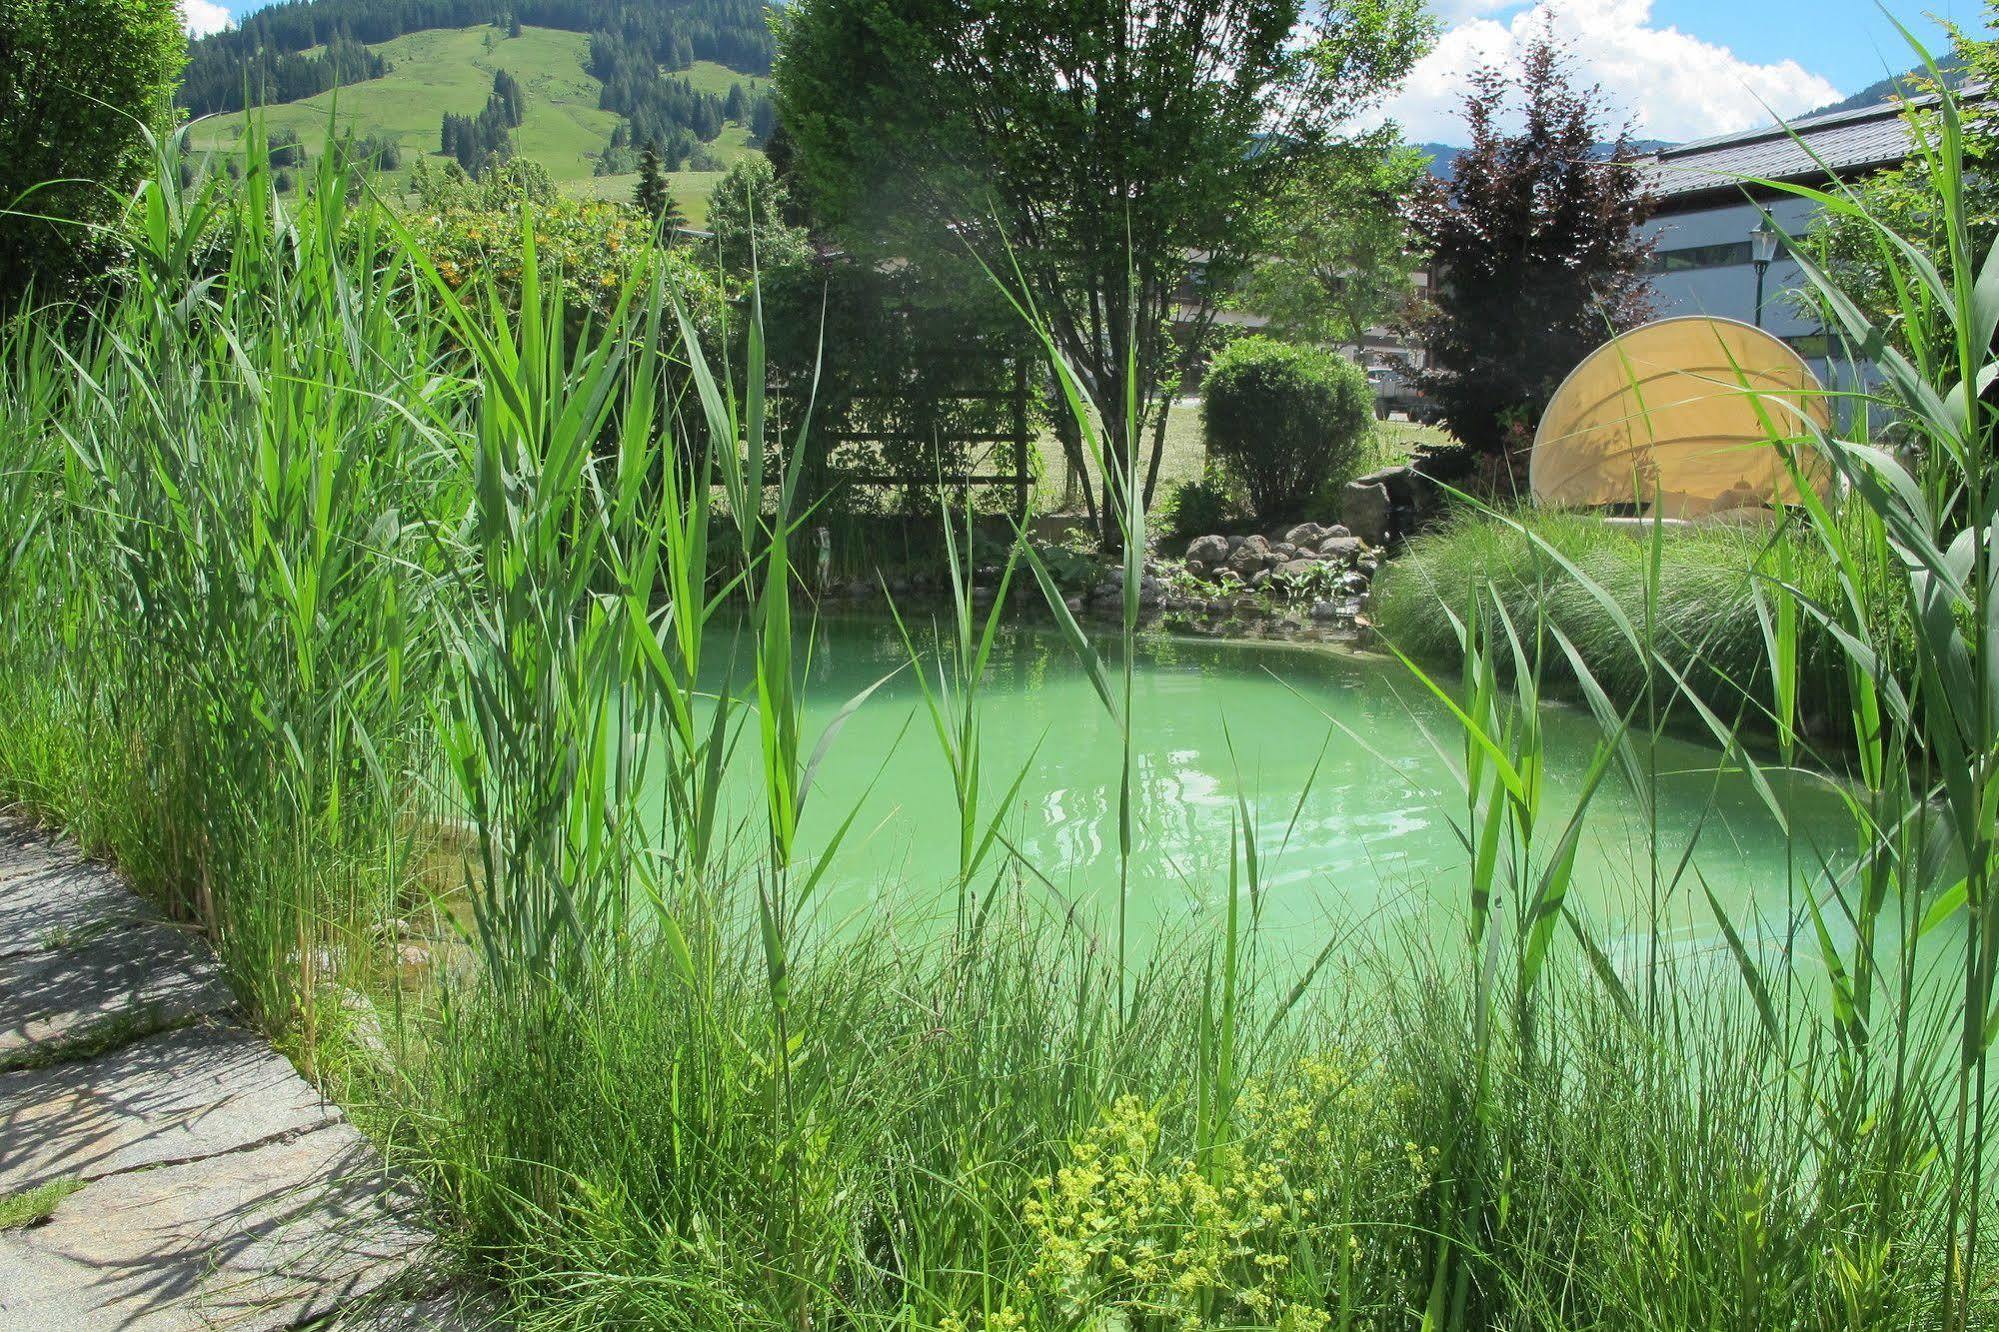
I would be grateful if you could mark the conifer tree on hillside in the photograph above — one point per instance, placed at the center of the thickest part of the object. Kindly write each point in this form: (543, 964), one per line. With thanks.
(285, 148)
(763, 121)
(474, 142)
(507, 89)
(618, 157)
(651, 195)
(654, 197)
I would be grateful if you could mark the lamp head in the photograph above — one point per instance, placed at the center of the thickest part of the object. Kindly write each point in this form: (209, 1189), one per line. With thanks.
(1763, 242)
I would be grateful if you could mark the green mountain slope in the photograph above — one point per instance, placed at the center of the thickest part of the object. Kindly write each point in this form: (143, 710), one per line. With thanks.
(1896, 85)
(452, 70)
(440, 70)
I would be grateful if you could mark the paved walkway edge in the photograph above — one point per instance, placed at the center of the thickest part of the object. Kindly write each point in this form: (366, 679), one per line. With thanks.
(211, 1185)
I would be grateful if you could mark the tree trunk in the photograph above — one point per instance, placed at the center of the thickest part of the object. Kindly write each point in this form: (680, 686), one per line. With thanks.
(1077, 458)
(1117, 433)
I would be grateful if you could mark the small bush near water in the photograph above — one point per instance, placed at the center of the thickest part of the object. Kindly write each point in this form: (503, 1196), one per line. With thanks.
(1285, 420)
(333, 598)
(1198, 506)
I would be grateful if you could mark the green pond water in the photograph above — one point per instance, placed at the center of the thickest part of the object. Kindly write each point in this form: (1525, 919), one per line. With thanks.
(1355, 826)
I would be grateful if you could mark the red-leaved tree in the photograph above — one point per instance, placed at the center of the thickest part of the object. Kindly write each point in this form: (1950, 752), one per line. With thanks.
(1536, 258)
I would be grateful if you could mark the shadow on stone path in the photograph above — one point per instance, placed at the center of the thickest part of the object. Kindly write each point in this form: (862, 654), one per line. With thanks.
(219, 1189)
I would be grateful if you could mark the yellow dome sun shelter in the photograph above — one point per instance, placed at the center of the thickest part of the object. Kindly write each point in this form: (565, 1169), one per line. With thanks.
(1664, 420)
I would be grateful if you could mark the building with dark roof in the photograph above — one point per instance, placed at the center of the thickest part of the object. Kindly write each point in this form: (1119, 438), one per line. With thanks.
(1703, 259)
(1710, 171)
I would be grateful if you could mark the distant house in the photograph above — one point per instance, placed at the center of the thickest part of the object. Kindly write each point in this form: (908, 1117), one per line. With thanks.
(1703, 260)
(1389, 355)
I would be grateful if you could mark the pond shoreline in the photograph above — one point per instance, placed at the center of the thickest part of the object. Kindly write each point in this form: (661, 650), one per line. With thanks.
(1303, 583)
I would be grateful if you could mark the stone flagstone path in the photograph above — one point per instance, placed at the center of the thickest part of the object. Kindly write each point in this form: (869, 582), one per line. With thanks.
(219, 1190)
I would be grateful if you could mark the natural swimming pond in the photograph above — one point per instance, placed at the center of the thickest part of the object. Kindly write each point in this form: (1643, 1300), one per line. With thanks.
(1348, 767)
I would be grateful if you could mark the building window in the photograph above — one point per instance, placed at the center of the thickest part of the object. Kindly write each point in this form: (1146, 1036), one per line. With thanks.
(1690, 257)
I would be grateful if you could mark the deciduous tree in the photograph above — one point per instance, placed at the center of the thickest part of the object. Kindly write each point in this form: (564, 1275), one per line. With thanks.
(1109, 142)
(746, 211)
(79, 81)
(507, 90)
(1907, 198)
(1340, 257)
(1536, 254)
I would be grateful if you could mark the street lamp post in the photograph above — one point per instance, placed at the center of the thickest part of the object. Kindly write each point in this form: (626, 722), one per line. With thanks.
(1762, 249)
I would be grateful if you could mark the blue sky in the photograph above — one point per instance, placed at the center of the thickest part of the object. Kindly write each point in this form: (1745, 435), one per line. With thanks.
(1848, 41)
(1680, 68)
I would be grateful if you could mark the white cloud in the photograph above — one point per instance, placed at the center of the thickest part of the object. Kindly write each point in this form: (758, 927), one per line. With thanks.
(1671, 84)
(201, 17)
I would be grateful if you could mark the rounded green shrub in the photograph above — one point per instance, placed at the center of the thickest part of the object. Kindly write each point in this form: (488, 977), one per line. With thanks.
(1284, 420)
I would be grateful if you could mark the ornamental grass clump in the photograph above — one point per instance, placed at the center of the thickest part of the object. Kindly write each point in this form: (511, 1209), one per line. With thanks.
(1698, 587)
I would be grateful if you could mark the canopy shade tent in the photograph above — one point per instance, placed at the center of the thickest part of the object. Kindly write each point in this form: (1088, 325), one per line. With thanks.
(1665, 418)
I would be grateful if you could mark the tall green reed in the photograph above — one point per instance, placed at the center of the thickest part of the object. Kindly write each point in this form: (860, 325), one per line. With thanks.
(1928, 726)
(1898, 1116)
(952, 703)
(231, 459)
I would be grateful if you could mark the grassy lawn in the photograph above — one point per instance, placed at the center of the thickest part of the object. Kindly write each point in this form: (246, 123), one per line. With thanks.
(1184, 456)
(442, 70)
(1396, 440)
(707, 76)
(691, 188)
(1185, 453)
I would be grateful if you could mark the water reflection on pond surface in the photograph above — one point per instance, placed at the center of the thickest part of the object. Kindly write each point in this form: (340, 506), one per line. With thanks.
(1348, 768)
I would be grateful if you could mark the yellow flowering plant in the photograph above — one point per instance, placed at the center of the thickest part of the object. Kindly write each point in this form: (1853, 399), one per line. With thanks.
(598, 248)
(1254, 1232)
